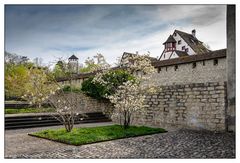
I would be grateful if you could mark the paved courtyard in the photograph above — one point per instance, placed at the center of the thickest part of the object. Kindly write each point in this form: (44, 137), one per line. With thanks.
(173, 144)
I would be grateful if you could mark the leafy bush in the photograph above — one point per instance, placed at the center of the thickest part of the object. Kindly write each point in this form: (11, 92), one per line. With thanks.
(96, 91)
(67, 88)
(113, 79)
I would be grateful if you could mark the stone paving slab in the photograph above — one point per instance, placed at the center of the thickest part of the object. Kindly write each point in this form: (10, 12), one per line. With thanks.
(19, 142)
(173, 144)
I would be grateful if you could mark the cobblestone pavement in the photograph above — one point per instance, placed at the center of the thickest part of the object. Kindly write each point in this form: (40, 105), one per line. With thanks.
(173, 144)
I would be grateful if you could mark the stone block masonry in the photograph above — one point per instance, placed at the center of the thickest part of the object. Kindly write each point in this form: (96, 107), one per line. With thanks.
(205, 71)
(88, 104)
(192, 94)
(195, 106)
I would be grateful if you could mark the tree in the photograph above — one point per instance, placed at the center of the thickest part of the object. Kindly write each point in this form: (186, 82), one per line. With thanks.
(67, 108)
(127, 100)
(91, 65)
(43, 87)
(61, 69)
(38, 87)
(128, 97)
(16, 75)
(105, 83)
(16, 79)
(10, 58)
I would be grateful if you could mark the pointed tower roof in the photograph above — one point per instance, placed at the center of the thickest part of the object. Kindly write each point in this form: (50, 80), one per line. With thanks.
(170, 39)
(73, 57)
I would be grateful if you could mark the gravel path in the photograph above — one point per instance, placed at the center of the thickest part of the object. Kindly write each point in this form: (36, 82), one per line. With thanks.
(173, 144)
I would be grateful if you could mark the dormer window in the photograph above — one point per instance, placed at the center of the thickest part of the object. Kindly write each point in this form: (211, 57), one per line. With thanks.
(175, 34)
(179, 42)
(186, 50)
(183, 47)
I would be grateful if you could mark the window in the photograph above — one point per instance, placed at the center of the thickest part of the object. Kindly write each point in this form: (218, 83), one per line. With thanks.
(203, 63)
(186, 50)
(174, 34)
(174, 45)
(215, 62)
(159, 69)
(179, 42)
(176, 67)
(183, 47)
(194, 65)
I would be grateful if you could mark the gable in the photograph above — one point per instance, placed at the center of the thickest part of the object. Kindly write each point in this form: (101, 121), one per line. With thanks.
(196, 45)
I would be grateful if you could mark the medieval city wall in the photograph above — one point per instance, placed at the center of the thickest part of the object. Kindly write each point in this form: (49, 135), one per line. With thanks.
(194, 106)
(87, 104)
(189, 95)
(202, 72)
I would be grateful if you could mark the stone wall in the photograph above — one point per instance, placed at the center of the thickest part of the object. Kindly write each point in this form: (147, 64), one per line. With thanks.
(195, 106)
(192, 94)
(213, 70)
(87, 104)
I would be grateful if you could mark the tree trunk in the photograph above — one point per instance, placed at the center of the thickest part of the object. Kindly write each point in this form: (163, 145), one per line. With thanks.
(127, 118)
(39, 105)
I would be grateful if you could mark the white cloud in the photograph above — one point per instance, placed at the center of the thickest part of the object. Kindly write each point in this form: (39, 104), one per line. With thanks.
(110, 30)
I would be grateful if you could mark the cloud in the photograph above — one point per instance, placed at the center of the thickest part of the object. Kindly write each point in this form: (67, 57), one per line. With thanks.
(50, 31)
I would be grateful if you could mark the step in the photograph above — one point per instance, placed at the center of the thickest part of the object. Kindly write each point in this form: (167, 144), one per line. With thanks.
(53, 124)
(45, 118)
(48, 121)
(40, 120)
(46, 114)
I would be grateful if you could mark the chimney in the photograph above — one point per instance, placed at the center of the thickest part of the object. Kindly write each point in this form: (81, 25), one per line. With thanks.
(194, 33)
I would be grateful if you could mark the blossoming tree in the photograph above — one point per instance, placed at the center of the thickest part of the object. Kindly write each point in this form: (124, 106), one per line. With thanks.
(38, 87)
(42, 87)
(127, 100)
(67, 108)
(129, 97)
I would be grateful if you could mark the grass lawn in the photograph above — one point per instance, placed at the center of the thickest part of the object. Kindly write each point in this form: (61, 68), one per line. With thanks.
(80, 136)
(27, 110)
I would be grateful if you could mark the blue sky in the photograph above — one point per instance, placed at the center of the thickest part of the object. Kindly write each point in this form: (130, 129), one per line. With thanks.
(53, 31)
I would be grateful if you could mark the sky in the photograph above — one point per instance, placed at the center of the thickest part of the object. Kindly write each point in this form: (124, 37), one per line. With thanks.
(51, 32)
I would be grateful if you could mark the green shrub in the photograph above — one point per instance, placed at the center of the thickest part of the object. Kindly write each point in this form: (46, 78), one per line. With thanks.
(96, 91)
(114, 79)
(67, 88)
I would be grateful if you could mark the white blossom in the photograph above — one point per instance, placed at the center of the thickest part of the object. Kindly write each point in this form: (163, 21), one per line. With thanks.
(129, 97)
